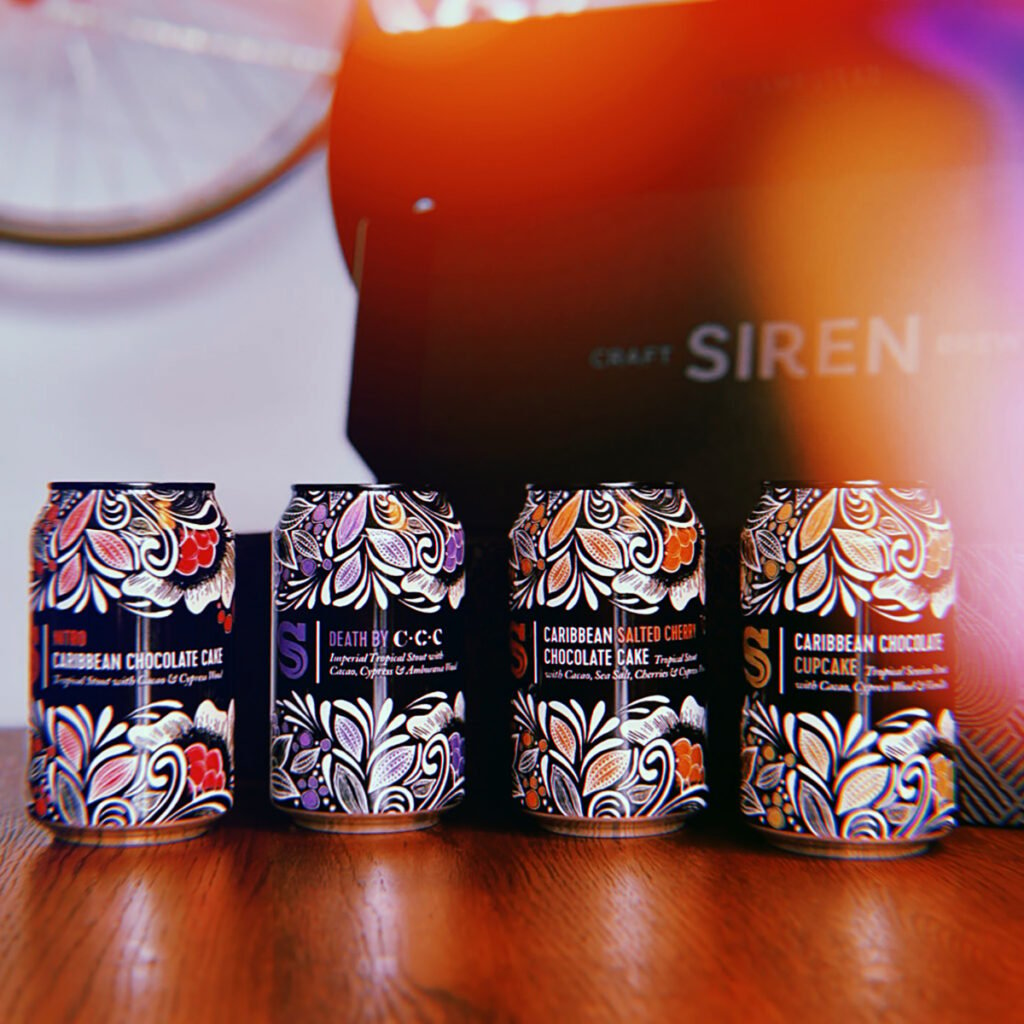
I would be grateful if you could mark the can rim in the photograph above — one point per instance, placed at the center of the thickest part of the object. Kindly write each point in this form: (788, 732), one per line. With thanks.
(846, 483)
(607, 485)
(131, 485)
(340, 486)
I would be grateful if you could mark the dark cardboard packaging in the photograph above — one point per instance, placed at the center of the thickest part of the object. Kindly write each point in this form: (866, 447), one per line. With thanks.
(710, 243)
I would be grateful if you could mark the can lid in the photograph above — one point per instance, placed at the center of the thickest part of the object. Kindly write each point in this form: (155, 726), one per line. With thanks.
(383, 488)
(847, 484)
(130, 485)
(604, 485)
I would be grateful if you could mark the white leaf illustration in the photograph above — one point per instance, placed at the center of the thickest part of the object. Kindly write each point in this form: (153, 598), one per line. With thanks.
(901, 746)
(692, 714)
(770, 775)
(563, 737)
(815, 811)
(348, 573)
(349, 736)
(641, 794)
(902, 591)
(814, 752)
(305, 760)
(281, 785)
(812, 576)
(943, 598)
(285, 550)
(143, 584)
(606, 770)
(770, 547)
(420, 582)
(632, 582)
(425, 726)
(601, 548)
(391, 548)
(565, 794)
(349, 790)
(112, 776)
(643, 730)
(946, 725)
(391, 767)
(69, 800)
(351, 522)
(297, 510)
(280, 748)
(524, 545)
(862, 550)
(163, 730)
(750, 802)
(306, 545)
(111, 549)
(862, 788)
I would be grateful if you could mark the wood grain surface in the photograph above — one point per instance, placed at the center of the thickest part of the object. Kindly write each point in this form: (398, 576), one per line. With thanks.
(260, 922)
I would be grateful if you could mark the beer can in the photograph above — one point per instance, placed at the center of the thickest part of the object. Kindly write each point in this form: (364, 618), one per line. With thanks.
(848, 735)
(132, 715)
(607, 638)
(368, 718)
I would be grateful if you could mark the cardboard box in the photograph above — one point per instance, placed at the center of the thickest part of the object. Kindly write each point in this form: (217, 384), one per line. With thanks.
(708, 244)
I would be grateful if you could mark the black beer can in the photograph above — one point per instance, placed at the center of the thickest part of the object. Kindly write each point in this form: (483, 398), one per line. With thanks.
(848, 737)
(132, 714)
(368, 716)
(607, 643)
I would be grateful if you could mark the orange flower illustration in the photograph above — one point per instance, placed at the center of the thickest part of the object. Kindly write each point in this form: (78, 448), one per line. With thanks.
(942, 776)
(679, 547)
(689, 763)
(938, 554)
(538, 521)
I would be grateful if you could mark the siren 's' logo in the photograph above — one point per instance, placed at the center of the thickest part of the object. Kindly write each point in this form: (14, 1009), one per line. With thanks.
(758, 668)
(292, 659)
(517, 648)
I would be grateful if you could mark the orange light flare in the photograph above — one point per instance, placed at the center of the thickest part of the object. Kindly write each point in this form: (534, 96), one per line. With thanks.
(864, 249)
(875, 251)
(490, 115)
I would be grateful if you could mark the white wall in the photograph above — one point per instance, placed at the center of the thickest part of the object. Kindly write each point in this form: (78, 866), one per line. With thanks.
(221, 354)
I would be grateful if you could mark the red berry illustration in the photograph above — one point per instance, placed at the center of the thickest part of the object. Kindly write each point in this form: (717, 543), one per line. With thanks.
(188, 554)
(205, 768)
(206, 547)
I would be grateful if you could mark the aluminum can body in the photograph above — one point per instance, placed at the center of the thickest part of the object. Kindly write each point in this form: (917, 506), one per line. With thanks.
(607, 644)
(848, 736)
(368, 715)
(132, 711)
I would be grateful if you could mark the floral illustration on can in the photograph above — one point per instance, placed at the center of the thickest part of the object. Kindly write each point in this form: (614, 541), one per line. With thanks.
(359, 548)
(607, 597)
(808, 773)
(342, 757)
(812, 550)
(141, 549)
(368, 727)
(848, 737)
(158, 767)
(632, 547)
(132, 723)
(601, 766)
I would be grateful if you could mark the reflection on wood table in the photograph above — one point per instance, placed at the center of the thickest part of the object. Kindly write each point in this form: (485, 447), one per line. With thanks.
(260, 921)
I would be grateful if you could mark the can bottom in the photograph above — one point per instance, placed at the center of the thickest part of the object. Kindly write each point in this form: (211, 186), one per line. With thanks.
(364, 823)
(609, 828)
(811, 846)
(144, 835)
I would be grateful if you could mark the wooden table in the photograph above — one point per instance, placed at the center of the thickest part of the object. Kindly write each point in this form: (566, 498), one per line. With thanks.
(262, 922)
